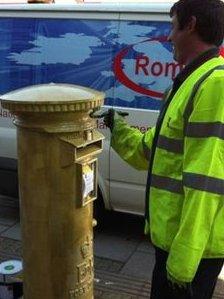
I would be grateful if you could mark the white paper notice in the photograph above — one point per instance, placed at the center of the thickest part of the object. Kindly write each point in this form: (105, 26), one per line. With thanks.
(88, 183)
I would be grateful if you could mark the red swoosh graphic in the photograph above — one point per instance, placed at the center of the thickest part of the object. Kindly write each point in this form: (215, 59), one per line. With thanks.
(123, 78)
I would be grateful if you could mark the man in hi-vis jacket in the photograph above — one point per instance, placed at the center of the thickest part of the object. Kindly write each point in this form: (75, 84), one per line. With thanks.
(184, 156)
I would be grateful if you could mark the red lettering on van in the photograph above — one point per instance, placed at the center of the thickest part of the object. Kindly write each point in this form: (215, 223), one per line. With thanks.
(125, 80)
(173, 68)
(141, 63)
(144, 65)
(157, 68)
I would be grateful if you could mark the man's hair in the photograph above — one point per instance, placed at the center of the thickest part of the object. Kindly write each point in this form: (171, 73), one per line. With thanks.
(209, 18)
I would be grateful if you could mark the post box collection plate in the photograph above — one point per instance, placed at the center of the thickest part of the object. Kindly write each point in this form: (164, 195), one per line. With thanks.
(88, 173)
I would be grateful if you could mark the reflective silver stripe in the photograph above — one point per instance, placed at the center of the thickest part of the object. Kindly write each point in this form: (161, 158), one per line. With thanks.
(203, 183)
(146, 150)
(166, 183)
(205, 129)
(170, 144)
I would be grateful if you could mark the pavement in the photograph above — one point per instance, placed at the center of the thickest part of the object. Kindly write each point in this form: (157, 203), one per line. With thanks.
(123, 257)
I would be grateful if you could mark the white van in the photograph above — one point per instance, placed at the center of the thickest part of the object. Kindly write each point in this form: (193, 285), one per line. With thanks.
(117, 48)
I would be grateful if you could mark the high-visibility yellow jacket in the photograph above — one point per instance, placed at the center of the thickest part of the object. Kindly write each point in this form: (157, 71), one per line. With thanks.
(187, 185)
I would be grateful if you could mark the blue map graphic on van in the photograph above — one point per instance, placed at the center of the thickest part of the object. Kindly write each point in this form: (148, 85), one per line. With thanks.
(130, 61)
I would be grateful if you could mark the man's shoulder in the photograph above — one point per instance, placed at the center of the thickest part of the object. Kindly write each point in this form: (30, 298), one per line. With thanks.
(214, 84)
(214, 74)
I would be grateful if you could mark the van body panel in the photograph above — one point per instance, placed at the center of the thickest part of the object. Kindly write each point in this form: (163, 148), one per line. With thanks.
(119, 49)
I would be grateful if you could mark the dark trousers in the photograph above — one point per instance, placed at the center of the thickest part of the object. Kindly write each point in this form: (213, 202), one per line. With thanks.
(202, 287)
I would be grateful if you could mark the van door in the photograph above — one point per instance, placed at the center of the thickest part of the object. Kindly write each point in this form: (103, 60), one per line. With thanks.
(144, 68)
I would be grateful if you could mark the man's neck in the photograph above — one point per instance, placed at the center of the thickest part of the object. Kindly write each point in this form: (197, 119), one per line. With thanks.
(197, 50)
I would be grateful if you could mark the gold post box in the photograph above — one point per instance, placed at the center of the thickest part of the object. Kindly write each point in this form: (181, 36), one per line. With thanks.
(57, 148)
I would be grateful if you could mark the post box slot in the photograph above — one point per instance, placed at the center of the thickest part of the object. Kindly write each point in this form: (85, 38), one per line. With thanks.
(88, 150)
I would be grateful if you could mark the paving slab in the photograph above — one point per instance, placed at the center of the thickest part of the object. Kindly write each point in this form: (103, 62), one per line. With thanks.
(140, 265)
(146, 246)
(123, 263)
(3, 228)
(107, 264)
(8, 216)
(9, 201)
(114, 247)
(9, 247)
(121, 286)
(13, 232)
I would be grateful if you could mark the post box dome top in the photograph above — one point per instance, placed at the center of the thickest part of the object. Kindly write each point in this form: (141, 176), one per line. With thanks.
(52, 98)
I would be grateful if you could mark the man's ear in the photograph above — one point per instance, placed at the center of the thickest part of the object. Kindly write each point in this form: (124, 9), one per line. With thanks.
(192, 24)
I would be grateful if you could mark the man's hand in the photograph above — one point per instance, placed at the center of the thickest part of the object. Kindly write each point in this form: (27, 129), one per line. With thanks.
(109, 118)
(110, 115)
(179, 286)
(176, 283)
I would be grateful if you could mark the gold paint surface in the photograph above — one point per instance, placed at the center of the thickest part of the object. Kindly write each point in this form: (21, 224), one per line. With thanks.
(52, 98)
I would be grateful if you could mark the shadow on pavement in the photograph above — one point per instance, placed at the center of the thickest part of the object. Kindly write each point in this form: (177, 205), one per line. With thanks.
(122, 224)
